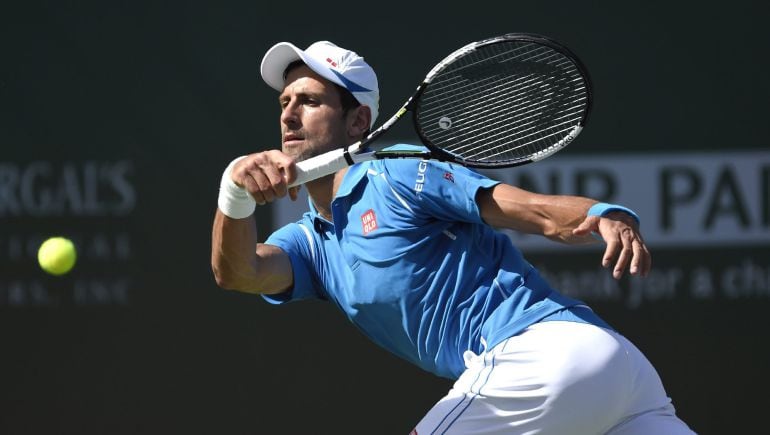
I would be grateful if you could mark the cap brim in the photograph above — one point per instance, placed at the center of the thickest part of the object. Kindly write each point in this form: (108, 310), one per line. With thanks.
(275, 61)
(279, 56)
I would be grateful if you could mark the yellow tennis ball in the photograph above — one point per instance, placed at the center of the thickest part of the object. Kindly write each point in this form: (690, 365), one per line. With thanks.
(57, 255)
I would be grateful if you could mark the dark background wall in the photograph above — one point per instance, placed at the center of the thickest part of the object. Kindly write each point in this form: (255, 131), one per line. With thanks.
(117, 118)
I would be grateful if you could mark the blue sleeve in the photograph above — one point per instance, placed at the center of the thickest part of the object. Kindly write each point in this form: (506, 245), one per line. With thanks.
(297, 243)
(441, 190)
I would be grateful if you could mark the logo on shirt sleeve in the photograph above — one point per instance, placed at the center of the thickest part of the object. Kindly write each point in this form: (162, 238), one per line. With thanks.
(369, 221)
(449, 177)
(419, 183)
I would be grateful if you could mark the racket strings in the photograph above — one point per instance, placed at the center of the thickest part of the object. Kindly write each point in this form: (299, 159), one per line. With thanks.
(453, 87)
(521, 111)
(511, 130)
(470, 139)
(512, 90)
(497, 54)
(505, 101)
(520, 120)
(514, 131)
(474, 60)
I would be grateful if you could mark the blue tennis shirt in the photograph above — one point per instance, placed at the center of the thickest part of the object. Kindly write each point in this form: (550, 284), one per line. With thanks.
(409, 260)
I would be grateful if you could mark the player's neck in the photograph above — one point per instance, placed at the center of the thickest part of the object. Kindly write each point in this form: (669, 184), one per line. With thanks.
(323, 190)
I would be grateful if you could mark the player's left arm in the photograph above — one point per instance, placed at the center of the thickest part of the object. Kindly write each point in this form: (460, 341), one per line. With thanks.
(564, 218)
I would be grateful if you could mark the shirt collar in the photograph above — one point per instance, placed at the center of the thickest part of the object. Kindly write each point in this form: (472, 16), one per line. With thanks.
(353, 176)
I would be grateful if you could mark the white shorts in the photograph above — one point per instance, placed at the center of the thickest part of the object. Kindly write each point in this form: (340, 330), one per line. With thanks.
(556, 378)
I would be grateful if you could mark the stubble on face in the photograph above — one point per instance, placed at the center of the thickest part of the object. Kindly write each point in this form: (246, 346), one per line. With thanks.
(312, 120)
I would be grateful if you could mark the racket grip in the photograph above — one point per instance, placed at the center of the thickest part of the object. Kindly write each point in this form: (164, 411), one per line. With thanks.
(319, 166)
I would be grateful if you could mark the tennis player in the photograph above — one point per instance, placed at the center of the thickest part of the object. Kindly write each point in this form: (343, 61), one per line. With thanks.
(408, 251)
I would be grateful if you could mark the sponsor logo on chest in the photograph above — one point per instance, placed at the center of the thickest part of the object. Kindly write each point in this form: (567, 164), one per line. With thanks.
(368, 222)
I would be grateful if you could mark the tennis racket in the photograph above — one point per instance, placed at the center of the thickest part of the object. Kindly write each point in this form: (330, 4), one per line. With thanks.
(501, 102)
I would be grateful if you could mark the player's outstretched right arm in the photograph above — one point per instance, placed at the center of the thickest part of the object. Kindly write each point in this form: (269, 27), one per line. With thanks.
(237, 260)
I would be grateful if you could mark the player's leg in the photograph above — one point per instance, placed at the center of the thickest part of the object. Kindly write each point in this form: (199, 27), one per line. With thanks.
(555, 378)
(660, 421)
(641, 419)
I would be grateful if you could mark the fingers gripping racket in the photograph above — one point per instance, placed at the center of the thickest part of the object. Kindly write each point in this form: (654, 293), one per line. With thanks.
(501, 102)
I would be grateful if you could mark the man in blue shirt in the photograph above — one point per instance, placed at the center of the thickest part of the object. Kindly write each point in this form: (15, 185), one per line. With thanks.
(407, 250)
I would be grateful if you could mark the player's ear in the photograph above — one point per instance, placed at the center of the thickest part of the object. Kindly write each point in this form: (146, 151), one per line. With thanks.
(359, 120)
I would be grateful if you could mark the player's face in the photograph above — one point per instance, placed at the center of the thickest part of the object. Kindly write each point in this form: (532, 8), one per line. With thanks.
(312, 120)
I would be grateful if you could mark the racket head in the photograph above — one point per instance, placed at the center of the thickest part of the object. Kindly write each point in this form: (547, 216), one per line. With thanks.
(502, 102)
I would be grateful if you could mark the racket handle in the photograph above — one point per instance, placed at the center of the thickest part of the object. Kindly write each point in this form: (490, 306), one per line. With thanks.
(319, 166)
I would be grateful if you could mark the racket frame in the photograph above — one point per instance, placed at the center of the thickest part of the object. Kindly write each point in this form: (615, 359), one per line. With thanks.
(335, 160)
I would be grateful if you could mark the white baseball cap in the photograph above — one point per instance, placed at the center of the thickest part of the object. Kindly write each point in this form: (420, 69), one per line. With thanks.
(340, 66)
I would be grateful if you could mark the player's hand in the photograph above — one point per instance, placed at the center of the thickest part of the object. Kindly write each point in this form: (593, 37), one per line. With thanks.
(266, 176)
(625, 246)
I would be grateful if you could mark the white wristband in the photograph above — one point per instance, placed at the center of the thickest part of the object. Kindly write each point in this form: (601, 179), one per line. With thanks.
(234, 201)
